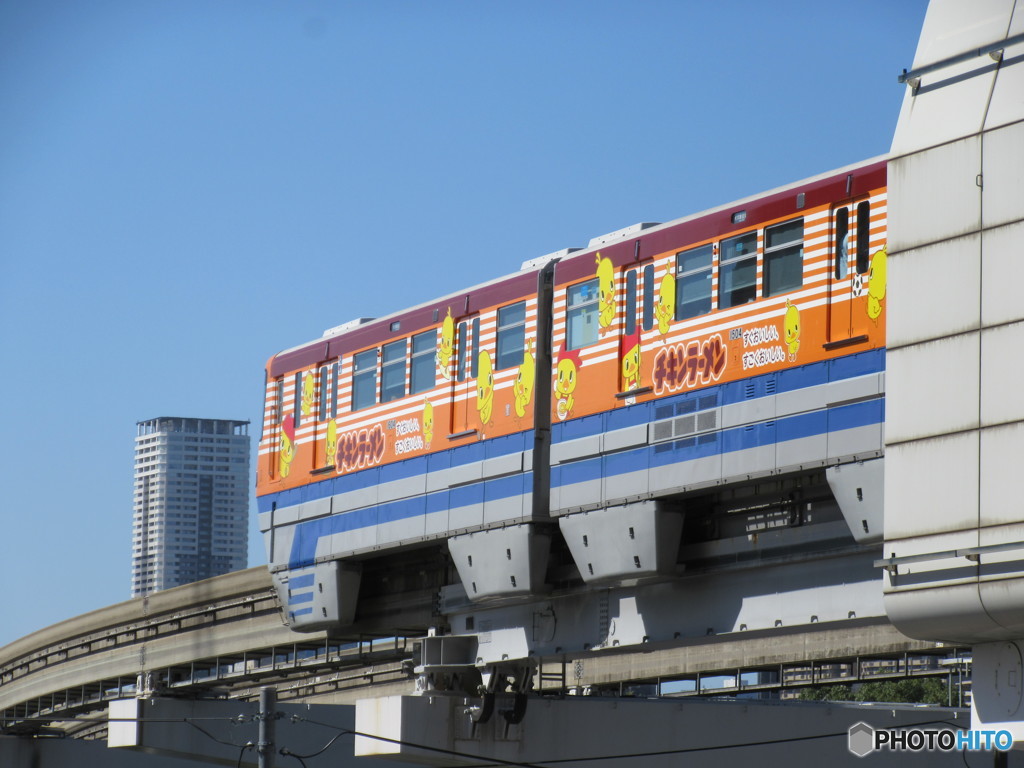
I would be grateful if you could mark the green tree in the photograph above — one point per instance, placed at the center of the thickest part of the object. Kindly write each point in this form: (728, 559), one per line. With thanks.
(827, 693)
(912, 690)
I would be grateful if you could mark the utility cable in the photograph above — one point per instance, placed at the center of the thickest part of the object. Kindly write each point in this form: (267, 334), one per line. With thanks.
(631, 756)
(289, 753)
(484, 760)
(744, 745)
(403, 743)
(238, 763)
(209, 735)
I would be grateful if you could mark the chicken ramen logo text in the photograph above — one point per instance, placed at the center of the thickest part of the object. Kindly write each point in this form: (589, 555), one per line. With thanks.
(360, 448)
(681, 366)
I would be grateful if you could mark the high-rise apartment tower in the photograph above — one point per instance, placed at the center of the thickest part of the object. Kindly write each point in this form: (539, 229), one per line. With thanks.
(191, 501)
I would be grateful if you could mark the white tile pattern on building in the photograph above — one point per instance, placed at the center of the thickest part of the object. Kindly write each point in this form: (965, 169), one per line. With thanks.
(191, 502)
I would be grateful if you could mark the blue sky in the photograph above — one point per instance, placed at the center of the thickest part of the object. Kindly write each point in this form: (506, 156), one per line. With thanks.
(188, 187)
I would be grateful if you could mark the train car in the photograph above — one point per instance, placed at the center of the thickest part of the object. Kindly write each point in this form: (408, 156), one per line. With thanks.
(576, 404)
(742, 342)
(389, 433)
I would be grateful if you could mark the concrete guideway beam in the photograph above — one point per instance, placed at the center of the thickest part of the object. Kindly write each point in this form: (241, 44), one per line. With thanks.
(595, 732)
(751, 597)
(61, 753)
(229, 732)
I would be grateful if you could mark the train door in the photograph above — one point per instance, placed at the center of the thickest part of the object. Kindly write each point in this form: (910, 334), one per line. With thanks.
(860, 268)
(848, 272)
(326, 438)
(628, 372)
(467, 346)
(638, 318)
(840, 316)
(276, 430)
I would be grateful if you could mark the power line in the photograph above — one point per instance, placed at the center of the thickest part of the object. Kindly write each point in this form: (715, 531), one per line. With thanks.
(289, 753)
(103, 720)
(490, 760)
(629, 756)
(404, 743)
(744, 745)
(206, 733)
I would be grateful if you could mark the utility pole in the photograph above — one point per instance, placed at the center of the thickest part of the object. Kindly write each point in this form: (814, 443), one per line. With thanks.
(267, 715)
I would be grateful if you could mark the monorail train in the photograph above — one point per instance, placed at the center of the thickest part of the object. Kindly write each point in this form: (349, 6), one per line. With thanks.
(577, 402)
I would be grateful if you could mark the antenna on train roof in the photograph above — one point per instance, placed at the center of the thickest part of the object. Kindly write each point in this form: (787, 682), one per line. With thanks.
(540, 261)
(621, 234)
(348, 326)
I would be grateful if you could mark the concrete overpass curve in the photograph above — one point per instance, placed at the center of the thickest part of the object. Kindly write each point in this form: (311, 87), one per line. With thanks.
(224, 633)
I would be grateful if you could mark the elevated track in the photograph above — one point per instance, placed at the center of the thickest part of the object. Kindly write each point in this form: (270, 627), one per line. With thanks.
(224, 638)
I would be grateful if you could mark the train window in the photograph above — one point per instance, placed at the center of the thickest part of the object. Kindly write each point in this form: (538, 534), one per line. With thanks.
(279, 401)
(783, 257)
(737, 271)
(474, 360)
(298, 399)
(461, 372)
(631, 302)
(324, 393)
(421, 372)
(648, 297)
(581, 324)
(364, 379)
(863, 236)
(392, 372)
(511, 335)
(693, 282)
(842, 246)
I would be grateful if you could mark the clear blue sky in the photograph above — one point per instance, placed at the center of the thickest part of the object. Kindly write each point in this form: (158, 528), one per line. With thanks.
(187, 187)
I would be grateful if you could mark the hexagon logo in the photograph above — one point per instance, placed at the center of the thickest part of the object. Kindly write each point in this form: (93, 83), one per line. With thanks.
(861, 739)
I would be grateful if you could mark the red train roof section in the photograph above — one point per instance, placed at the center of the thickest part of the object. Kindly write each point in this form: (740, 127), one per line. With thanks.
(462, 304)
(777, 205)
(846, 184)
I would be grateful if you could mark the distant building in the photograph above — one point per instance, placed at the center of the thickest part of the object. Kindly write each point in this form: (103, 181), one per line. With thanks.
(191, 506)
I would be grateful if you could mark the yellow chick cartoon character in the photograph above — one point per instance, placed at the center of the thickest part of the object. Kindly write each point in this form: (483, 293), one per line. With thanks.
(331, 442)
(631, 362)
(522, 387)
(485, 386)
(791, 329)
(666, 309)
(308, 385)
(286, 451)
(605, 291)
(428, 422)
(876, 284)
(446, 345)
(567, 372)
